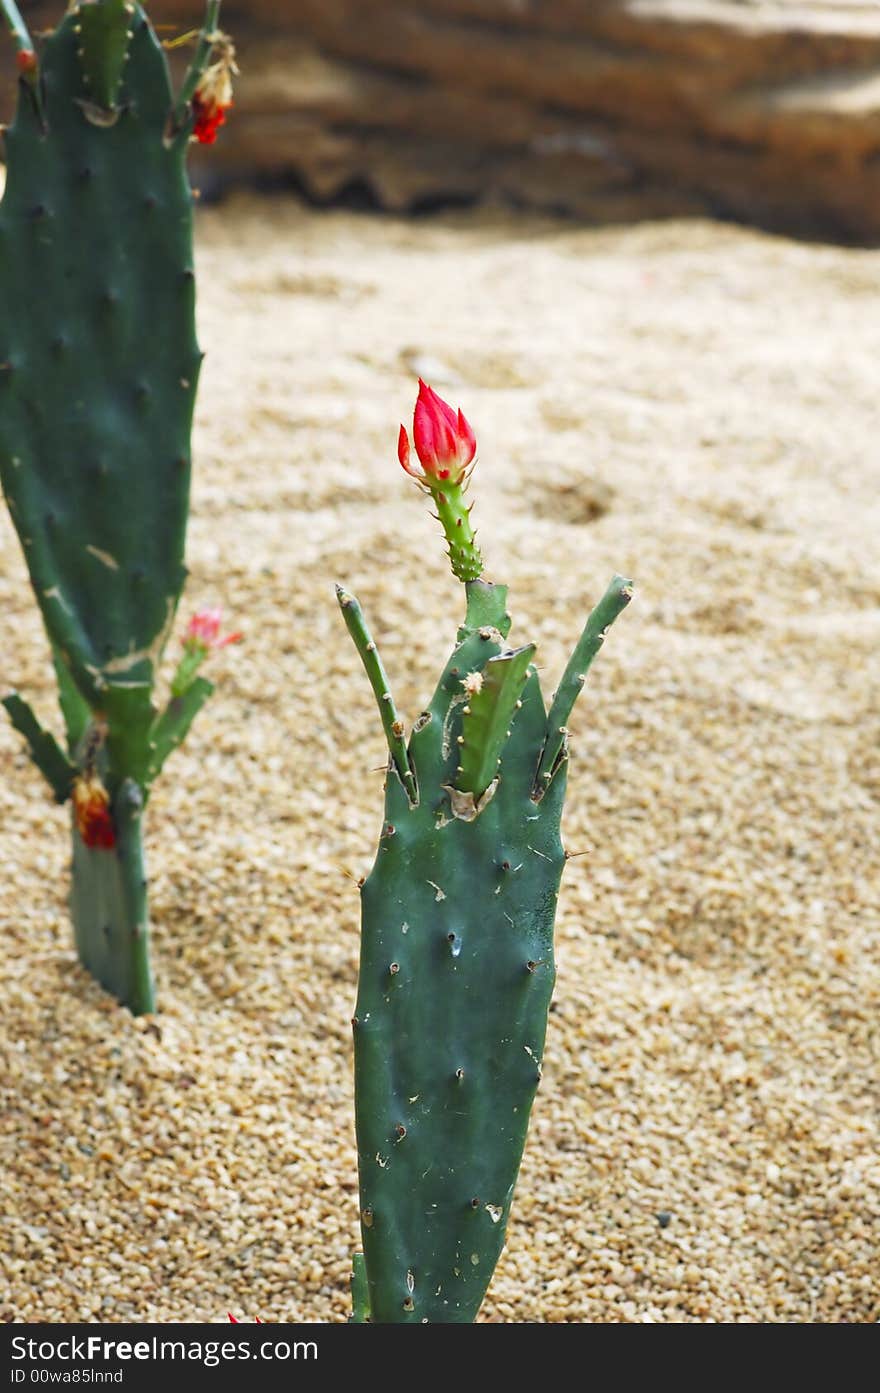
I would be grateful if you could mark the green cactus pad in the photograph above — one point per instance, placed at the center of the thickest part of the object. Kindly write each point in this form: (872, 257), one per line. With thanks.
(104, 36)
(98, 371)
(457, 971)
(486, 718)
(99, 361)
(109, 906)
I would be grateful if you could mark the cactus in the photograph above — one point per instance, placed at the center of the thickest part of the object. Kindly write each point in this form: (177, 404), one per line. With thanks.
(457, 965)
(98, 371)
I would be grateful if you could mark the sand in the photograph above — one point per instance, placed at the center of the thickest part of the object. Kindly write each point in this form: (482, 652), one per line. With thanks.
(691, 404)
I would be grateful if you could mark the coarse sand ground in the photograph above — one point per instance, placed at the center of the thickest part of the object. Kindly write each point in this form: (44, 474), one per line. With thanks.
(690, 404)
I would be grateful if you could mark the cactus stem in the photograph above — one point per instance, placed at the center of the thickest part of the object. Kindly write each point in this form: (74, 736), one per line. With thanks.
(17, 27)
(360, 1295)
(391, 723)
(52, 763)
(613, 602)
(200, 61)
(109, 903)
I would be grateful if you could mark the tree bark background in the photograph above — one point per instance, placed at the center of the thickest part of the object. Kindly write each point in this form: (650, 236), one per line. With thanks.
(615, 109)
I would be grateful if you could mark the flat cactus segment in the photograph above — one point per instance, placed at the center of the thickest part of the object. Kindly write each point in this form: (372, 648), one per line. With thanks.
(375, 670)
(99, 361)
(492, 697)
(104, 37)
(360, 1295)
(76, 712)
(45, 751)
(171, 728)
(613, 602)
(98, 372)
(109, 907)
(456, 975)
(486, 608)
(457, 971)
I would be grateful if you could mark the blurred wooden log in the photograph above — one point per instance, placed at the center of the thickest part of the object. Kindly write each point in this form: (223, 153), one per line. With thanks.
(761, 110)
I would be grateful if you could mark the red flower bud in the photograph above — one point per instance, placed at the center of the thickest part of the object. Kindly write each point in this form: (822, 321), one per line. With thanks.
(91, 810)
(444, 441)
(26, 61)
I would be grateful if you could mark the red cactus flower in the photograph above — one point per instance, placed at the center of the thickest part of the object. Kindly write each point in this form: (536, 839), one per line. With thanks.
(203, 631)
(91, 808)
(444, 441)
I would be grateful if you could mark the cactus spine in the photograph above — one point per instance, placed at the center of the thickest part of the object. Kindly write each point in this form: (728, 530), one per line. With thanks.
(98, 372)
(457, 965)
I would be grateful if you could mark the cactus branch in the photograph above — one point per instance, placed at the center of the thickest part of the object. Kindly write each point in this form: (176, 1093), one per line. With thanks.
(109, 906)
(16, 26)
(75, 710)
(455, 516)
(45, 751)
(486, 609)
(391, 723)
(200, 61)
(170, 729)
(612, 603)
(486, 719)
(360, 1292)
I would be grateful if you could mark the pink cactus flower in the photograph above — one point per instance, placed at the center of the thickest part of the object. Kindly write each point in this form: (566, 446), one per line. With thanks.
(203, 631)
(444, 442)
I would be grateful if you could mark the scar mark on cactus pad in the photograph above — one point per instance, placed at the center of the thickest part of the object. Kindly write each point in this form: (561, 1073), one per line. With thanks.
(540, 853)
(151, 653)
(104, 557)
(97, 115)
(465, 806)
(447, 738)
(55, 594)
(494, 1211)
(440, 895)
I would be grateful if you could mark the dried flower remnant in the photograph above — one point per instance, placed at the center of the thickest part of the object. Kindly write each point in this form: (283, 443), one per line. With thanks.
(213, 96)
(91, 807)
